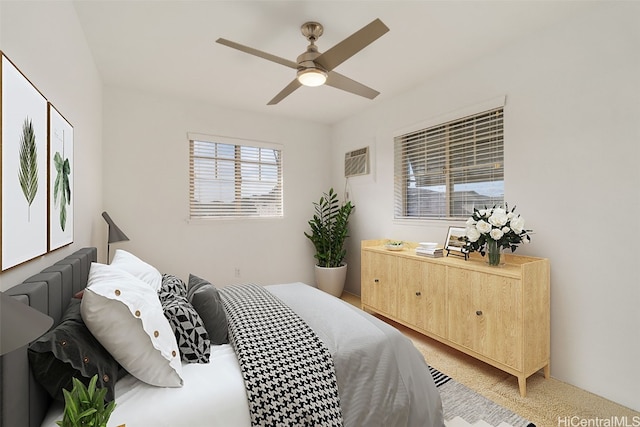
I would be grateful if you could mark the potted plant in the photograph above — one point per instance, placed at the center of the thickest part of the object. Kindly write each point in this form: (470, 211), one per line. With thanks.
(84, 406)
(328, 234)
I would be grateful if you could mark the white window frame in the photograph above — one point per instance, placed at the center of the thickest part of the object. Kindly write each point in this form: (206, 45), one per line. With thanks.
(239, 178)
(437, 148)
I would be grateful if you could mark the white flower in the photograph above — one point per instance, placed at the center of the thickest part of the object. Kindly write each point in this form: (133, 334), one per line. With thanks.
(517, 224)
(506, 230)
(483, 227)
(500, 211)
(496, 234)
(472, 234)
(510, 215)
(498, 217)
(471, 221)
(483, 212)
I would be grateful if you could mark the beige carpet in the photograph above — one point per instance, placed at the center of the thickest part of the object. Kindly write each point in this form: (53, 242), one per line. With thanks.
(549, 402)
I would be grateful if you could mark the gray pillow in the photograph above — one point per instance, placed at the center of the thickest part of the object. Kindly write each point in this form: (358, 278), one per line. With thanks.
(70, 350)
(206, 300)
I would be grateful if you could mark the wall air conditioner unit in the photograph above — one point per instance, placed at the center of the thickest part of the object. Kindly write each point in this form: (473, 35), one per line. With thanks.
(356, 162)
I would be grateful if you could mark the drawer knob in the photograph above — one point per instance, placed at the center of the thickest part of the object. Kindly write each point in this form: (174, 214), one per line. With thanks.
(418, 293)
(479, 313)
(376, 280)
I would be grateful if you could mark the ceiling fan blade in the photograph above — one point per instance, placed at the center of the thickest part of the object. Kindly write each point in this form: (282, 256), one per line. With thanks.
(351, 45)
(295, 84)
(345, 83)
(258, 53)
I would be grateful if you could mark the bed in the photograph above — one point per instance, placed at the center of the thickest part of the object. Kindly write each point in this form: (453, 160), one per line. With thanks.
(380, 378)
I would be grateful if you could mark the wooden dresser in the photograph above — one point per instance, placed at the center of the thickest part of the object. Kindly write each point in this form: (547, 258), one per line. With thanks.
(499, 315)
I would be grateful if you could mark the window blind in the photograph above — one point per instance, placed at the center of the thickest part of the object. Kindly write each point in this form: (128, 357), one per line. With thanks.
(447, 170)
(229, 178)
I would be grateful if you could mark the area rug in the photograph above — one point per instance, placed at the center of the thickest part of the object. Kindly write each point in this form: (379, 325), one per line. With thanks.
(464, 407)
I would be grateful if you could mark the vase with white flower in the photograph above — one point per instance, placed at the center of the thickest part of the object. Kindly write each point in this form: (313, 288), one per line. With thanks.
(491, 230)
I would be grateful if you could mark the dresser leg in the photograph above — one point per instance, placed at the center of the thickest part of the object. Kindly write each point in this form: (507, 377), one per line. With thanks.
(547, 371)
(522, 384)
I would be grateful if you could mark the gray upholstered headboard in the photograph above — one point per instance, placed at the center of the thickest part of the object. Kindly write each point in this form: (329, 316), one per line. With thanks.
(23, 402)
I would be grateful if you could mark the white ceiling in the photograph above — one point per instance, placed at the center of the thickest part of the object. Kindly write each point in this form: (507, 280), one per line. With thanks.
(169, 46)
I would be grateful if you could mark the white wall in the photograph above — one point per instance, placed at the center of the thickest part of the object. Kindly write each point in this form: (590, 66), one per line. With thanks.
(572, 152)
(46, 42)
(146, 190)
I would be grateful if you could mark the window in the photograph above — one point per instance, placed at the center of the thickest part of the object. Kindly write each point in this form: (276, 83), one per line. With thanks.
(447, 170)
(234, 178)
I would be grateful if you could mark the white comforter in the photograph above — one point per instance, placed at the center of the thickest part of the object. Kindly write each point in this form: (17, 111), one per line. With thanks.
(382, 379)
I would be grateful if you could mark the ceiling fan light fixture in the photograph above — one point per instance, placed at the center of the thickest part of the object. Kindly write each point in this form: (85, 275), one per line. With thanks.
(313, 68)
(312, 77)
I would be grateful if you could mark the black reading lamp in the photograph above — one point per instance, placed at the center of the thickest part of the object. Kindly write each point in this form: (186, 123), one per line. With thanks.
(19, 324)
(115, 234)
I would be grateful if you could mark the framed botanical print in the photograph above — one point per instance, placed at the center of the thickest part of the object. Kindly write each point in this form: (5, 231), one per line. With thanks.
(24, 168)
(61, 194)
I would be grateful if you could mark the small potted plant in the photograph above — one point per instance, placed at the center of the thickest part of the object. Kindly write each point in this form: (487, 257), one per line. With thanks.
(329, 228)
(85, 406)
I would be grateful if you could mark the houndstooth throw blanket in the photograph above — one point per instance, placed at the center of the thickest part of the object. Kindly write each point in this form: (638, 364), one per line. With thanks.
(288, 372)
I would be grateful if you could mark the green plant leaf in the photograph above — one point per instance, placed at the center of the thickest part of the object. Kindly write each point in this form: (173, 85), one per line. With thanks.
(57, 162)
(66, 170)
(92, 386)
(62, 187)
(87, 412)
(28, 171)
(63, 216)
(70, 409)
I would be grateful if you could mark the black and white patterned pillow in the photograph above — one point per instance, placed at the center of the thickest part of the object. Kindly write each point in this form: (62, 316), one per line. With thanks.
(191, 335)
(170, 287)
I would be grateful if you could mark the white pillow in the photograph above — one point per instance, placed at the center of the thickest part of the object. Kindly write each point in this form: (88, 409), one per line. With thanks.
(140, 269)
(126, 316)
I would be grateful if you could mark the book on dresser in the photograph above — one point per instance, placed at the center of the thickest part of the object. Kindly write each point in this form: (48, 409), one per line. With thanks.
(432, 253)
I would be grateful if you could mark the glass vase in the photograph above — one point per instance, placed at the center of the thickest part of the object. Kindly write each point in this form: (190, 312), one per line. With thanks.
(494, 253)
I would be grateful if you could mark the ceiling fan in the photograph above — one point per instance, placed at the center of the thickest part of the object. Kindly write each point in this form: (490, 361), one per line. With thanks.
(315, 68)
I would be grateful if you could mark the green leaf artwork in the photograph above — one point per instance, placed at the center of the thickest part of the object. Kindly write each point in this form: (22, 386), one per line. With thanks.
(61, 187)
(28, 172)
